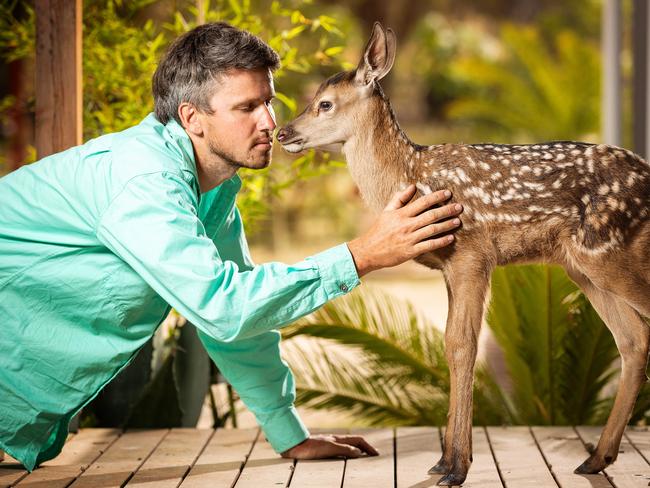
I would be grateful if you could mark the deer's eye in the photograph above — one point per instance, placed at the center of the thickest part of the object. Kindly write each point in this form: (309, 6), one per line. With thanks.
(324, 106)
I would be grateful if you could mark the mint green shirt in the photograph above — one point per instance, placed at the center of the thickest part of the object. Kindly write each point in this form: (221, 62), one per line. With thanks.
(97, 242)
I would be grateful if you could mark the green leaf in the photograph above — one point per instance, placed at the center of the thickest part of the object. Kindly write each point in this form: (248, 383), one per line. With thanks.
(290, 103)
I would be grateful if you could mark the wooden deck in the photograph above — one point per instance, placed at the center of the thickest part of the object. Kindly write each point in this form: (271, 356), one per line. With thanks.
(512, 457)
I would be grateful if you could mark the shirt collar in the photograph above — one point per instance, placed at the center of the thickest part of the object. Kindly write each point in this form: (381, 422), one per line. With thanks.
(230, 187)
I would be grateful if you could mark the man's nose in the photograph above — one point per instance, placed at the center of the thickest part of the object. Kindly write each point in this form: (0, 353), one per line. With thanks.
(267, 121)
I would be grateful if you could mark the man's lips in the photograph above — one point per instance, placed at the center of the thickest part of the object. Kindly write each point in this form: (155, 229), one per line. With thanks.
(264, 143)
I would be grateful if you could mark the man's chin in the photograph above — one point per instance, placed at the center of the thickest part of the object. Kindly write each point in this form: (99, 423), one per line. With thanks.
(258, 163)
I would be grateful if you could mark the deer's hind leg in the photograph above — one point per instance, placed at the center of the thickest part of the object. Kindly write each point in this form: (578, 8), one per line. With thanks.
(632, 336)
(468, 280)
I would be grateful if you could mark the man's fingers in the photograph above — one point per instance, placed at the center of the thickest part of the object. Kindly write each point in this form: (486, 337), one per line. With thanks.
(434, 229)
(436, 214)
(432, 244)
(425, 202)
(345, 450)
(401, 198)
(359, 442)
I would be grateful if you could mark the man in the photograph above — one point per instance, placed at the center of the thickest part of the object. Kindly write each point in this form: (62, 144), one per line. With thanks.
(97, 242)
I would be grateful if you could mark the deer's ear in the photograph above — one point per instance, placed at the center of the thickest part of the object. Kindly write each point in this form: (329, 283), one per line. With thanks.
(378, 56)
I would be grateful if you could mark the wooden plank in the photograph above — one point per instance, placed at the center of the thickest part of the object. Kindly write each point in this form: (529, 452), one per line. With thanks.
(483, 471)
(58, 75)
(520, 462)
(123, 459)
(11, 471)
(222, 460)
(172, 459)
(640, 439)
(376, 471)
(77, 454)
(416, 450)
(630, 469)
(321, 472)
(564, 451)
(265, 468)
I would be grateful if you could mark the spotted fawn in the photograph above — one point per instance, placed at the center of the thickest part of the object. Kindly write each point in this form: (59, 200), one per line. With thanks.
(579, 205)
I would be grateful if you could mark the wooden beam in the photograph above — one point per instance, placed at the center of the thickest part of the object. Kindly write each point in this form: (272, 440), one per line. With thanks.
(58, 75)
(611, 91)
(641, 78)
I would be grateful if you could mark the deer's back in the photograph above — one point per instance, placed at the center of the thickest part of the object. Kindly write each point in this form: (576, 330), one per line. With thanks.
(531, 202)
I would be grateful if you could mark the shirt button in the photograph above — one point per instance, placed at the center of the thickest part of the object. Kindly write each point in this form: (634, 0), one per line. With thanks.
(343, 287)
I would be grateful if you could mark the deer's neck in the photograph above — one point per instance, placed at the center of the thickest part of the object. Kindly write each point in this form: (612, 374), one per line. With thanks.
(379, 155)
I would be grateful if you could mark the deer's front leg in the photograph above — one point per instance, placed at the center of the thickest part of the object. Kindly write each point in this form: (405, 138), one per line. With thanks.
(467, 286)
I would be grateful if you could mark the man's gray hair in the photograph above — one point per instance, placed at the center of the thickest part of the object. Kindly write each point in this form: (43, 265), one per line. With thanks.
(194, 62)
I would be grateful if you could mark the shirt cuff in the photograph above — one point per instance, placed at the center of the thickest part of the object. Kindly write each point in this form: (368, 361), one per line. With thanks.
(337, 270)
(284, 430)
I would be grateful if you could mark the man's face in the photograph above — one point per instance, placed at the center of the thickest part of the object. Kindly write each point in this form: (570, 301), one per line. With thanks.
(240, 129)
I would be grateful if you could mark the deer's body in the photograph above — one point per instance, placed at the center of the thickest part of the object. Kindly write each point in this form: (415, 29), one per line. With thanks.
(583, 206)
(570, 200)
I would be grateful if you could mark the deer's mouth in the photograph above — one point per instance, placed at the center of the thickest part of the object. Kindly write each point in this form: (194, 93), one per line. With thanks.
(293, 146)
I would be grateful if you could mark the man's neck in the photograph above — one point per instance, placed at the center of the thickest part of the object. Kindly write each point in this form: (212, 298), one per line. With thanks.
(211, 169)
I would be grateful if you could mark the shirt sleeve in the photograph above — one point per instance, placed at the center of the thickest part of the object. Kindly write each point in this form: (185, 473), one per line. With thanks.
(152, 224)
(254, 367)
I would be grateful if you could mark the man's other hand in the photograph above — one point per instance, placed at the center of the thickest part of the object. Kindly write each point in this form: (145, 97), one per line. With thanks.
(405, 230)
(331, 446)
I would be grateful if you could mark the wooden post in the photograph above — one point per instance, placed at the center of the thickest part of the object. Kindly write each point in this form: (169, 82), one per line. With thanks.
(611, 76)
(58, 76)
(641, 78)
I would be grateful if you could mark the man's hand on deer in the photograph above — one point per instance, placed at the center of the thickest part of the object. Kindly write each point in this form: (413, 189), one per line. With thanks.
(329, 446)
(405, 230)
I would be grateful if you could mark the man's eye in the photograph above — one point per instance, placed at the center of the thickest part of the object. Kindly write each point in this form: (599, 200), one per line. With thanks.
(324, 106)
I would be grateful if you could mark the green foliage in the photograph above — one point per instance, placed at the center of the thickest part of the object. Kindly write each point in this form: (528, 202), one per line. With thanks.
(532, 91)
(373, 356)
(559, 353)
(121, 48)
(17, 37)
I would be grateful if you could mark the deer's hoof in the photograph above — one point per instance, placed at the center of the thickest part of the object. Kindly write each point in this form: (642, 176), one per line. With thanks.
(592, 465)
(452, 479)
(441, 467)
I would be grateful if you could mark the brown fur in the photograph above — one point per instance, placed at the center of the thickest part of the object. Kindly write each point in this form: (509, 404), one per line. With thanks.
(580, 205)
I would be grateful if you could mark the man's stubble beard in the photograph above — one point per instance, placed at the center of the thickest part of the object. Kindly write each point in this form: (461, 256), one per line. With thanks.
(231, 159)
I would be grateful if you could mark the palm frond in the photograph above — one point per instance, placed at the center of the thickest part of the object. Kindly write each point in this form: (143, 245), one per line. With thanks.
(559, 84)
(528, 317)
(383, 328)
(587, 365)
(331, 378)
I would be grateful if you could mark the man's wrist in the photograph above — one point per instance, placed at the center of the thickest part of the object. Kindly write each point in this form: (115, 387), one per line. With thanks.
(289, 452)
(360, 257)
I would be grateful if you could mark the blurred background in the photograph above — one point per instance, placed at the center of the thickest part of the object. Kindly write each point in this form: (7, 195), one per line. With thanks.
(506, 71)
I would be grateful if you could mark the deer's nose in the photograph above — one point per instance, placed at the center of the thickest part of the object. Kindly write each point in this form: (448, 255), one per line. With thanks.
(284, 134)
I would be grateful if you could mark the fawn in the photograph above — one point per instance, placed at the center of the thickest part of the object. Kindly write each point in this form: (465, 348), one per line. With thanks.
(580, 205)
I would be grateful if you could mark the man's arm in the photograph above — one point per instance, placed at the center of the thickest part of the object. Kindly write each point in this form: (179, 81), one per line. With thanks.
(153, 225)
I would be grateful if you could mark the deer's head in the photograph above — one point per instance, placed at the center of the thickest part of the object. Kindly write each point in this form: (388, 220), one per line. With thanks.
(333, 115)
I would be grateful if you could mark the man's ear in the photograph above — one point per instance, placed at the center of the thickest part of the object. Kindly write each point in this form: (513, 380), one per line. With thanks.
(190, 119)
(378, 56)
